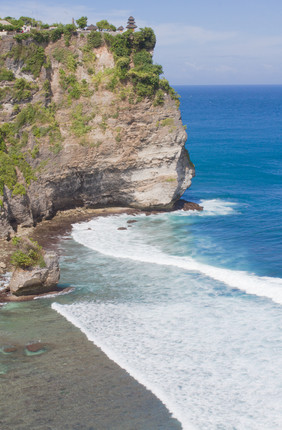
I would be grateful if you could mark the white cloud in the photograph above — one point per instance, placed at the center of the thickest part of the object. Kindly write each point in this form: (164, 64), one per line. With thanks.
(172, 33)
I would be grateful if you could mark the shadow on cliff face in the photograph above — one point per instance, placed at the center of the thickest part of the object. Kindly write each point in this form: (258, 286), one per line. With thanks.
(90, 189)
(77, 189)
(183, 169)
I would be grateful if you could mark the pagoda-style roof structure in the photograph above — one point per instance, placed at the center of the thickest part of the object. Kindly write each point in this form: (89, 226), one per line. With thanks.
(131, 23)
(92, 27)
(120, 28)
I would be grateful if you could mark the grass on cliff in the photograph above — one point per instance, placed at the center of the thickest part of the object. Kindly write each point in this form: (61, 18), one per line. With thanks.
(20, 90)
(80, 122)
(66, 57)
(73, 87)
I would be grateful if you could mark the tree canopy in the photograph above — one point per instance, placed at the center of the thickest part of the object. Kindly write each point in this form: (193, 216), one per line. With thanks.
(82, 22)
(104, 25)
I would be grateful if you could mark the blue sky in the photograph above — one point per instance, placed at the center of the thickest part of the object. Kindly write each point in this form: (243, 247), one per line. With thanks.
(198, 41)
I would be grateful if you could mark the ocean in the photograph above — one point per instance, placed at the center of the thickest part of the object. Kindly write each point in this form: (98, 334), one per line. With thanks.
(190, 303)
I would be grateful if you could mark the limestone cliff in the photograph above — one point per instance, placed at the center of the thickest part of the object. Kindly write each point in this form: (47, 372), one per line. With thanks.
(78, 131)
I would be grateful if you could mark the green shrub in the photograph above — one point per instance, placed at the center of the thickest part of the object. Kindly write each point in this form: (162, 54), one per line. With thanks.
(88, 56)
(175, 96)
(159, 98)
(22, 89)
(25, 116)
(40, 36)
(63, 55)
(22, 36)
(56, 33)
(145, 79)
(34, 60)
(142, 58)
(34, 151)
(68, 30)
(167, 122)
(122, 65)
(8, 174)
(74, 88)
(6, 75)
(28, 253)
(21, 259)
(164, 85)
(120, 44)
(82, 22)
(80, 121)
(19, 189)
(144, 39)
(47, 87)
(104, 25)
(94, 39)
(33, 57)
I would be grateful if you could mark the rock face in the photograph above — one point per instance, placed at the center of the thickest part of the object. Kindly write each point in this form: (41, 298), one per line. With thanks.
(36, 280)
(101, 149)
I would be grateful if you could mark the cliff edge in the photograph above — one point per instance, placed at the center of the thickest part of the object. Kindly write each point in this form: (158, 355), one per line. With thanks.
(86, 121)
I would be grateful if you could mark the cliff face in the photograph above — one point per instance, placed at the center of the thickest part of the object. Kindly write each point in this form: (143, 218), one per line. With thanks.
(77, 136)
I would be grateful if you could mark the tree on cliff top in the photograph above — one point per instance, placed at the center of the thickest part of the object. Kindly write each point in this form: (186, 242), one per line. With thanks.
(104, 25)
(82, 22)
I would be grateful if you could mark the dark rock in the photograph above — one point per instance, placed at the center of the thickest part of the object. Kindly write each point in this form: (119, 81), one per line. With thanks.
(131, 221)
(122, 228)
(35, 347)
(9, 349)
(187, 206)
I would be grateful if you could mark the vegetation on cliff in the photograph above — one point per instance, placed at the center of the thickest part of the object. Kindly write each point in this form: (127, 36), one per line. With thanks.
(51, 85)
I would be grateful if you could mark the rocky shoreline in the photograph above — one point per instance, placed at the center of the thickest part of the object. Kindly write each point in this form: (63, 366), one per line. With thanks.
(48, 232)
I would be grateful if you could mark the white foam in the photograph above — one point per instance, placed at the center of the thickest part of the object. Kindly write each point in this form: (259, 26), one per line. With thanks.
(105, 238)
(212, 359)
(5, 280)
(213, 207)
(52, 295)
(144, 375)
(208, 363)
(218, 207)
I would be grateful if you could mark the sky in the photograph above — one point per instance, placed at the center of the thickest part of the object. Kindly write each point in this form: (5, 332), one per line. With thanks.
(199, 42)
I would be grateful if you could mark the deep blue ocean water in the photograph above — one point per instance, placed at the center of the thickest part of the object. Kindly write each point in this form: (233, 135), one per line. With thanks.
(190, 304)
(235, 141)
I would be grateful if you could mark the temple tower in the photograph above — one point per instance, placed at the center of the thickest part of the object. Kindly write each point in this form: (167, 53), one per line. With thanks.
(131, 23)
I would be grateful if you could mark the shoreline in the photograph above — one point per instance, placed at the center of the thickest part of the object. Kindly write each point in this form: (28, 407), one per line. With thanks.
(132, 404)
(72, 384)
(48, 232)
